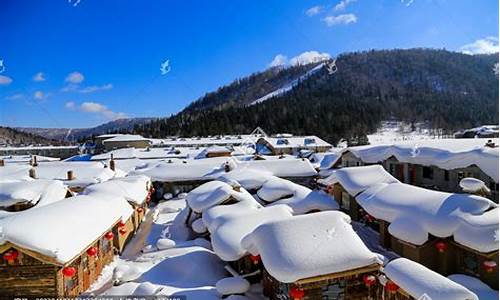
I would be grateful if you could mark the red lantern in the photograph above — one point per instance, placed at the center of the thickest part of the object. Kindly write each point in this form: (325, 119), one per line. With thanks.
(369, 280)
(69, 272)
(391, 286)
(296, 293)
(140, 209)
(255, 259)
(109, 236)
(441, 246)
(121, 224)
(489, 266)
(122, 231)
(11, 255)
(92, 251)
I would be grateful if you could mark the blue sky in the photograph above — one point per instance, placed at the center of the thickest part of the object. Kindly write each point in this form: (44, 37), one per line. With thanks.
(69, 64)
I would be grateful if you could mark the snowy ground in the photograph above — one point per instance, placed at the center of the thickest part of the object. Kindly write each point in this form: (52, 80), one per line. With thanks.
(394, 131)
(183, 266)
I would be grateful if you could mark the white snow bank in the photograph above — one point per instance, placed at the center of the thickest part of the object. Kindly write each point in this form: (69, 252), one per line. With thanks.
(232, 285)
(165, 243)
(233, 227)
(36, 192)
(479, 232)
(446, 154)
(211, 216)
(214, 193)
(63, 229)
(133, 188)
(415, 212)
(417, 280)
(357, 179)
(199, 226)
(482, 290)
(308, 245)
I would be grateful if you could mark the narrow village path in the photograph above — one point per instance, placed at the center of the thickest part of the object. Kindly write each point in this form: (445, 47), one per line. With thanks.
(138, 241)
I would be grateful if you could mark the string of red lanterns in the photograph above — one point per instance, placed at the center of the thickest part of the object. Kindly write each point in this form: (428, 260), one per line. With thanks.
(489, 265)
(391, 286)
(69, 271)
(296, 293)
(255, 259)
(92, 251)
(11, 255)
(369, 280)
(109, 235)
(441, 246)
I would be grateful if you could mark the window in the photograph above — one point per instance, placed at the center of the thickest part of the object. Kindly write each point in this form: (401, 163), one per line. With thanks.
(428, 172)
(309, 141)
(392, 169)
(358, 163)
(470, 263)
(346, 201)
(493, 186)
(282, 142)
(461, 175)
(446, 175)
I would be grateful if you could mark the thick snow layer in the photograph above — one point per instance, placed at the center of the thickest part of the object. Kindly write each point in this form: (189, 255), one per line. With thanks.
(308, 245)
(214, 193)
(232, 285)
(357, 179)
(473, 185)
(447, 154)
(482, 290)
(479, 232)
(36, 192)
(233, 227)
(415, 212)
(63, 229)
(214, 216)
(199, 226)
(133, 188)
(85, 173)
(417, 280)
(279, 167)
(26, 158)
(125, 138)
(247, 178)
(188, 170)
(148, 153)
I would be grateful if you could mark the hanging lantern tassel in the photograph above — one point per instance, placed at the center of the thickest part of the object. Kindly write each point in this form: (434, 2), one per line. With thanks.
(69, 272)
(489, 265)
(296, 293)
(369, 280)
(441, 247)
(11, 255)
(391, 287)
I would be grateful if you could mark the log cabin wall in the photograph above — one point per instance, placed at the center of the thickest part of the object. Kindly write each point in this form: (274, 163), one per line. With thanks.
(123, 234)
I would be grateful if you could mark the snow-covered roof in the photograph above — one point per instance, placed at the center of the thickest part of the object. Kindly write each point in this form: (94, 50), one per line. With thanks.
(357, 179)
(63, 229)
(280, 167)
(85, 173)
(248, 178)
(187, 170)
(418, 281)
(26, 158)
(309, 245)
(35, 192)
(149, 153)
(34, 147)
(296, 141)
(133, 188)
(415, 212)
(481, 289)
(227, 140)
(212, 193)
(126, 138)
(447, 154)
(227, 236)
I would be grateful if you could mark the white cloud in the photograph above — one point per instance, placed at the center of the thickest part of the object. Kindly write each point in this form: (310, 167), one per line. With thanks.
(343, 4)
(487, 45)
(279, 60)
(309, 57)
(39, 77)
(75, 77)
(407, 2)
(301, 59)
(95, 88)
(95, 108)
(340, 19)
(314, 10)
(15, 97)
(39, 95)
(5, 80)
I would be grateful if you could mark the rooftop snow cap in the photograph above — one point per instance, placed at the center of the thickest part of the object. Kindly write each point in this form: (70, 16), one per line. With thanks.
(40, 192)
(415, 212)
(308, 245)
(418, 281)
(133, 188)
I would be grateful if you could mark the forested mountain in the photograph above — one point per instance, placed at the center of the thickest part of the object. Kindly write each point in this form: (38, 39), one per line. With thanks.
(448, 90)
(12, 137)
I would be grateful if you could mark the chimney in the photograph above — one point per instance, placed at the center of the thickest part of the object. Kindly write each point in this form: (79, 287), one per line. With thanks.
(2, 163)
(34, 161)
(70, 175)
(32, 173)
(112, 164)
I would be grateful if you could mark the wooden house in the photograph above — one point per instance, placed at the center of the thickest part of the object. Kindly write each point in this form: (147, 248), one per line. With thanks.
(59, 249)
(289, 144)
(126, 141)
(315, 267)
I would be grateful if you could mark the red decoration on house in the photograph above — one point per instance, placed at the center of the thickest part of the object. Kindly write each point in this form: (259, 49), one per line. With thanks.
(140, 209)
(441, 246)
(296, 293)
(92, 251)
(69, 272)
(109, 235)
(122, 231)
(369, 280)
(121, 224)
(391, 286)
(489, 265)
(10, 255)
(255, 259)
